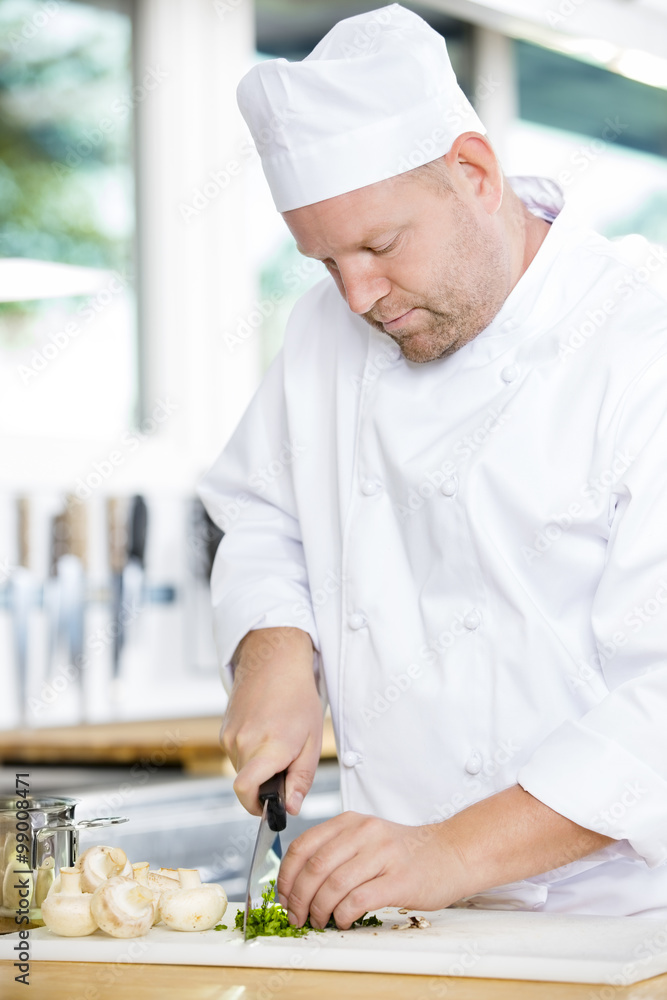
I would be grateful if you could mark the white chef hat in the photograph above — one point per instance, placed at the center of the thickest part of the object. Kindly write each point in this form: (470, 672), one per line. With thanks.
(376, 97)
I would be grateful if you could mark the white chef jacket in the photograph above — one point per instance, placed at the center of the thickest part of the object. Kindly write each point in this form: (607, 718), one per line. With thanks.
(477, 547)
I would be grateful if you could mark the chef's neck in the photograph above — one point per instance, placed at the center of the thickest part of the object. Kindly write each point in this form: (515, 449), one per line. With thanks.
(527, 230)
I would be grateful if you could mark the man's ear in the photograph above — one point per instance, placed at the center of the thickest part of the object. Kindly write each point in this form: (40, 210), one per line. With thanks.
(473, 163)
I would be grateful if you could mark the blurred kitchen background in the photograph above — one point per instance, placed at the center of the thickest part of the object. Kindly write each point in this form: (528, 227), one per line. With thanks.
(145, 279)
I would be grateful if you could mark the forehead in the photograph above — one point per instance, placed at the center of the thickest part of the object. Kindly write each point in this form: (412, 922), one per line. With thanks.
(353, 219)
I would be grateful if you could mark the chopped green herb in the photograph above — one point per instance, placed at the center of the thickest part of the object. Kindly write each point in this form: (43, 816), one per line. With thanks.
(271, 919)
(221, 927)
(367, 921)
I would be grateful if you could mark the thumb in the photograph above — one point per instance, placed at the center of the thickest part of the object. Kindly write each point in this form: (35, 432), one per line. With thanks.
(256, 770)
(300, 775)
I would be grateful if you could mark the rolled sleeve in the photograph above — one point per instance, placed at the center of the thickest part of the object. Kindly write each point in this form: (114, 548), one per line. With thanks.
(607, 771)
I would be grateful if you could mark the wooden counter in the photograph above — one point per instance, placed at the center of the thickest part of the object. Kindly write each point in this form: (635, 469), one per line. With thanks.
(90, 981)
(193, 743)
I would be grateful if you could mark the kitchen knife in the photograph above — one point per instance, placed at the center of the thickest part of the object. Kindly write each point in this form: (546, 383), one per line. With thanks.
(268, 853)
(128, 577)
(133, 571)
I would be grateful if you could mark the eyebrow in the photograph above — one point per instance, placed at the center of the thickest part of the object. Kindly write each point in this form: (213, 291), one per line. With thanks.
(374, 234)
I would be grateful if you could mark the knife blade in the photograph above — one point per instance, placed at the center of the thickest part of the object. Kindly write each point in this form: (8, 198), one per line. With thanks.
(268, 853)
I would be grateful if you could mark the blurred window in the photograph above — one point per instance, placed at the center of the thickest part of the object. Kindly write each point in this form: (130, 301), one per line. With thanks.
(68, 366)
(602, 136)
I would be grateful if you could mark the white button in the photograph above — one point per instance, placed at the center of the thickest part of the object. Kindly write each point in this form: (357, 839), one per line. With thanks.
(473, 619)
(509, 373)
(351, 758)
(448, 486)
(356, 620)
(474, 763)
(370, 487)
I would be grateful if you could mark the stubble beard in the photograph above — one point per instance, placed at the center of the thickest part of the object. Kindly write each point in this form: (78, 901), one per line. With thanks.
(472, 302)
(438, 336)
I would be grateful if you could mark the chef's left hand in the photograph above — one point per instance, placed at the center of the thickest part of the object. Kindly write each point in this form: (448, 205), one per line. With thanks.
(354, 863)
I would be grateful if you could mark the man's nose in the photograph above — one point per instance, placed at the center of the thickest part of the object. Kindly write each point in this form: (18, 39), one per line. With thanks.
(363, 287)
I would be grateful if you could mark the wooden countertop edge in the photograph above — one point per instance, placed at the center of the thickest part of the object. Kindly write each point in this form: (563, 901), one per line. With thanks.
(98, 981)
(180, 740)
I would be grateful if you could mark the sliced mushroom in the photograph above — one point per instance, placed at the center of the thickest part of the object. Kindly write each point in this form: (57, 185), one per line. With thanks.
(100, 863)
(123, 907)
(195, 906)
(67, 912)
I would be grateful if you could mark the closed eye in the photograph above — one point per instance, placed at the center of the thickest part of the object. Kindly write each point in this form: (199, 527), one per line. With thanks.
(382, 250)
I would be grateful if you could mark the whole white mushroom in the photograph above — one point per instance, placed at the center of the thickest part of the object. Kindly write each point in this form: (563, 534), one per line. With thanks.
(123, 907)
(66, 910)
(100, 863)
(194, 906)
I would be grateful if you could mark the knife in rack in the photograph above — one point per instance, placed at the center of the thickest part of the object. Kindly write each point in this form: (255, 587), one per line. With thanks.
(268, 853)
(128, 575)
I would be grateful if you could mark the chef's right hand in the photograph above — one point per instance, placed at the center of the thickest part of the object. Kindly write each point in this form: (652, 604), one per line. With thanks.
(273, 719)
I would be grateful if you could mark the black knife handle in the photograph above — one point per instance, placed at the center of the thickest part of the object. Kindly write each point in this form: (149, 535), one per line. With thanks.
(138, 527)
(273, 793)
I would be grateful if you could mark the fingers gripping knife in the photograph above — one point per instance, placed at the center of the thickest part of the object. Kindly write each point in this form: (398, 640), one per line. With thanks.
(268, 853)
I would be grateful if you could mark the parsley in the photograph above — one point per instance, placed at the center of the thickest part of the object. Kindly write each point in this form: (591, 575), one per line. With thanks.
(220, 927)
(367, 922)
(271, 919)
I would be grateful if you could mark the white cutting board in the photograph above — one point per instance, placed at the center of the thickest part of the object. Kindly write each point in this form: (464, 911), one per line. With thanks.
(498, 944)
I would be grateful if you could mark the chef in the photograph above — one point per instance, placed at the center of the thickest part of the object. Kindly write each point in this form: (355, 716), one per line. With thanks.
(444, 510)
